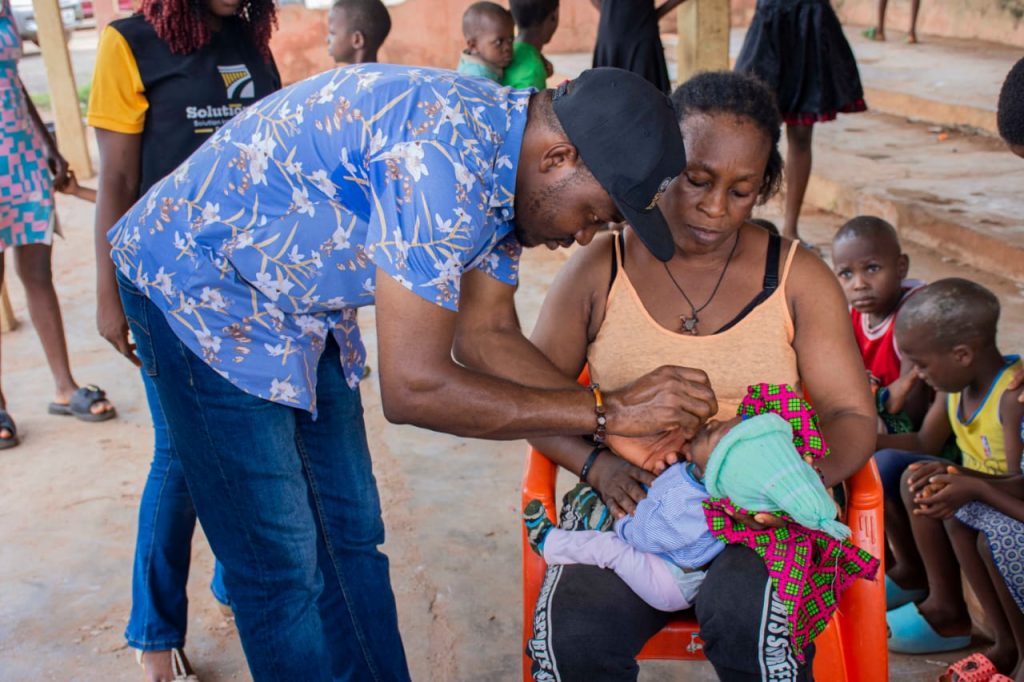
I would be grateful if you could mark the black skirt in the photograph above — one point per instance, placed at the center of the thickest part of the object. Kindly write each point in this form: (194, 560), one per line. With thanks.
(628, 38)
(798, 48)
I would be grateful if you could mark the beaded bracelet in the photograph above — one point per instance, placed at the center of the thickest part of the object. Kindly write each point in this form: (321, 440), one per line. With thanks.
(602, 419)
(591, 458)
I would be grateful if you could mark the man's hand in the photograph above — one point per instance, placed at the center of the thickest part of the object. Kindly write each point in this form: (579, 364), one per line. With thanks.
(663, 400)
(898, 392)
(922, 472)
(653, 453)
(113, 325)
(619, 483)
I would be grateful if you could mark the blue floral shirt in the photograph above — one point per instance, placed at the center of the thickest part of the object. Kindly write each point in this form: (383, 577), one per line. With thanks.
(269, 236)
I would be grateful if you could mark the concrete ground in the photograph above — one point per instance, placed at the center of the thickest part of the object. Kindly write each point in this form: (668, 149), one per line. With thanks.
(69, 493)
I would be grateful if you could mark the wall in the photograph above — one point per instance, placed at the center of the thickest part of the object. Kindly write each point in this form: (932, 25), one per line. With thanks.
(424, 32)
(993, 20)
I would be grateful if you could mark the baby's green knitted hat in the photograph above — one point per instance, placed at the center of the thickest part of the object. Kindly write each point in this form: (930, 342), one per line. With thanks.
(757, 466)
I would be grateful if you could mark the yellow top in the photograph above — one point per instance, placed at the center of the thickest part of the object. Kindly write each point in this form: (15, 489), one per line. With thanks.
(758, 348)
(980, 438)
(117, 101)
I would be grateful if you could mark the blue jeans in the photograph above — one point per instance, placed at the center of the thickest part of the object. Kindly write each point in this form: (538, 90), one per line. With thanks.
(163, 547)
(290, 507)
(891, 465)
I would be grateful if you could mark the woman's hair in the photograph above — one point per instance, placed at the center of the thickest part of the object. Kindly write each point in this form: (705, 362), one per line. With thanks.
(1010, 116)
(182, 25)
(727, 92)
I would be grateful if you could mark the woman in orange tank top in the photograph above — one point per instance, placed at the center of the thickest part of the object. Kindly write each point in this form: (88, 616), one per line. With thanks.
(733, 301)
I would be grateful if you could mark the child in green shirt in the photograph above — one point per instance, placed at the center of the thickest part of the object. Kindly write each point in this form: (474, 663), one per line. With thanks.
(537, 21)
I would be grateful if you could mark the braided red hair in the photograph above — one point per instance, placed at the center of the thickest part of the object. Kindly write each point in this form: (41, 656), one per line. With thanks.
(182, 25)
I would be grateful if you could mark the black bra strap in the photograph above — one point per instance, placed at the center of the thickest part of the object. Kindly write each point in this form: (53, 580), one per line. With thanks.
(770, 284)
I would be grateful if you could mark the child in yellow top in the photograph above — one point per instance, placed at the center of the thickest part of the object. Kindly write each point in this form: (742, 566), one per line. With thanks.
(948, 331)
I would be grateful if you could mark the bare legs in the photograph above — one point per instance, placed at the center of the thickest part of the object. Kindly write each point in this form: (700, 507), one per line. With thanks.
(915, 5)
(906, 568)
(880, 32)
(944, 608)
(798, 172)
(32, 263)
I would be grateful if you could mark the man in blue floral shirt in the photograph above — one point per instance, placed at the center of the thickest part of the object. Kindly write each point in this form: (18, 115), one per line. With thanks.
(414, 190)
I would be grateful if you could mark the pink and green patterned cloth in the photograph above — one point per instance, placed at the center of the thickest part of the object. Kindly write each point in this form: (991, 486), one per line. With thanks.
(809, 569)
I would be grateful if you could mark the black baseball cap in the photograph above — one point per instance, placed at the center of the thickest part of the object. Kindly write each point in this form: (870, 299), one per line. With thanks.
(627, 134)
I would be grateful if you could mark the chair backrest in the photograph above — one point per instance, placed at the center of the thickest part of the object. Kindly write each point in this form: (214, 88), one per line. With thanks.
(852, 648)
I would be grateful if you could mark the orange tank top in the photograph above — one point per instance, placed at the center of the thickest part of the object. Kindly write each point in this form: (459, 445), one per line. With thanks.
(757, 348)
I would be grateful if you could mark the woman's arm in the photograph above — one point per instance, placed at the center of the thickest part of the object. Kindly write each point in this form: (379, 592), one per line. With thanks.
(58, 165)
(830, 366)
(667, 7)
(120, 159)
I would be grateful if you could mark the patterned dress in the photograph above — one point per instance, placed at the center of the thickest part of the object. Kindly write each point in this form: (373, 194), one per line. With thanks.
(26, 187)
(1005, 536)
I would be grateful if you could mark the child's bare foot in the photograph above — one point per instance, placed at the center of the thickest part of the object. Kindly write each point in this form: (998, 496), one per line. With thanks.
(949, 620)
(907, 578)
(874, 33)
(166, 666)
(912, 38)
(1003, 657)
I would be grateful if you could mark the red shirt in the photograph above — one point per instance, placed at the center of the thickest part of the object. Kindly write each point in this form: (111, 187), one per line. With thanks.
(878, 344)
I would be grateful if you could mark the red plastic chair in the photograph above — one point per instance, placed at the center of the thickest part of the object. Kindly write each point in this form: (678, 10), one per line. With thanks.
(852, 648)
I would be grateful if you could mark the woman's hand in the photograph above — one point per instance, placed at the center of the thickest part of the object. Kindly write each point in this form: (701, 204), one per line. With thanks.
(619, 483)
(58, 167)
(653, 453)
(757, 521)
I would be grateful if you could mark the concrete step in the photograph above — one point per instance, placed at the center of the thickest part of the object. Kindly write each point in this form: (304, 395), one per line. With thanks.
(954, 192)
(943, 81)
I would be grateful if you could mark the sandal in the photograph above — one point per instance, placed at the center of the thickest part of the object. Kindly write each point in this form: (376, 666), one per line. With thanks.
(974, 668)
(180, 667)
(910, 633)
(80, 405)
(7, 423)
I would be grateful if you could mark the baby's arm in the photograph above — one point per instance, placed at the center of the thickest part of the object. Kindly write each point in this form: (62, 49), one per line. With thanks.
(669, 518)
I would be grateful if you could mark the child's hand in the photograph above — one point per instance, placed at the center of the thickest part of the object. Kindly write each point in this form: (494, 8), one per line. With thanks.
(922, 471)
(898, 392)
(619, 483)
(549, 68)
(70, 185)
(951, 491)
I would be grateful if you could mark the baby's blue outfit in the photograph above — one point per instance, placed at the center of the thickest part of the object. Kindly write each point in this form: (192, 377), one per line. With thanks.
(670, 521)
(471, 65)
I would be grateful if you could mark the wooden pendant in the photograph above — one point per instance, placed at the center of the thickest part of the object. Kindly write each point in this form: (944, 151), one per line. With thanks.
(689, 324)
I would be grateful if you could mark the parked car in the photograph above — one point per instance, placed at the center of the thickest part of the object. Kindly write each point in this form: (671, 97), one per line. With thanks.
(25, 18)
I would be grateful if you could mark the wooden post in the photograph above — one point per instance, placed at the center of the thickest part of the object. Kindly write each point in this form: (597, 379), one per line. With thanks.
(7, 321)
(703, 37)
(63, 93)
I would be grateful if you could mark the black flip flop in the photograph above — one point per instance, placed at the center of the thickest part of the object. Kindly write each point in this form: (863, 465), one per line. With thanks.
(7, 423)
(80, 405)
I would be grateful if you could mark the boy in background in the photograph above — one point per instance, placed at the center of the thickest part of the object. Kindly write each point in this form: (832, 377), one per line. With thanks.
(537, 21)
(489, 31)
(1010, 112)
(948, 331)
(356, 29)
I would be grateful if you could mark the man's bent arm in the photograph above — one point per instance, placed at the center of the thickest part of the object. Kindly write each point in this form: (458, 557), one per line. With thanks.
(421, 384)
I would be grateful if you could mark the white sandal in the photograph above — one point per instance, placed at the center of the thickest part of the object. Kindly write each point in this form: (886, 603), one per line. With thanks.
(179, 666)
